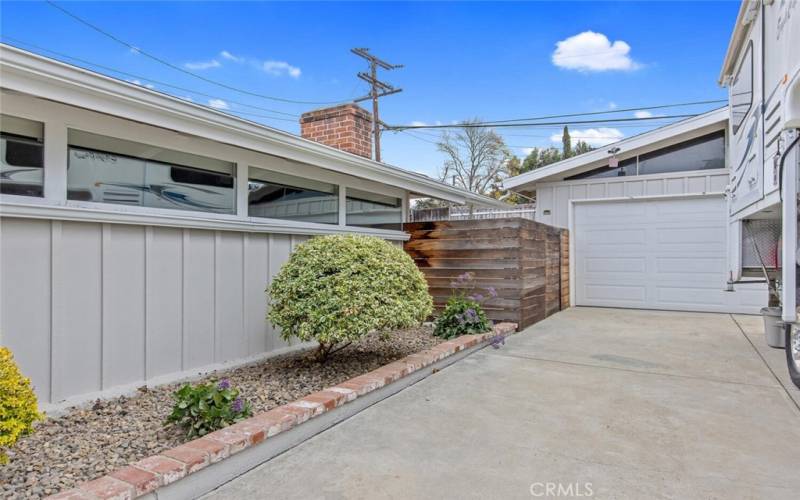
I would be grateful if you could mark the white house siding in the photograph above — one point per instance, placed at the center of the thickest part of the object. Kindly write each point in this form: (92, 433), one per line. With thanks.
(555, 197)
(87, 307)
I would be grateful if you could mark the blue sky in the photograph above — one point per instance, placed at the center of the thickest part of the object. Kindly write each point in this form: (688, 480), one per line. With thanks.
(462, 60)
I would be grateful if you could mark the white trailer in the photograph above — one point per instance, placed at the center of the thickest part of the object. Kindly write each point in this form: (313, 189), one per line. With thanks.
(762, 73)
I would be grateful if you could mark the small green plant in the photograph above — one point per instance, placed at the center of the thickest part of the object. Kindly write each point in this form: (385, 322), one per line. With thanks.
(18, 405)
(336, 289)
(463, 314)
(205, 408)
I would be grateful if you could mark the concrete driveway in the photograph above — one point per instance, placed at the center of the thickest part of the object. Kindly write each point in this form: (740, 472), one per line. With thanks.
(607, 403)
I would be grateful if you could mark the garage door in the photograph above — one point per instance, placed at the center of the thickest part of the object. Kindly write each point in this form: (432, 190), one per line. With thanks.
(656, 254)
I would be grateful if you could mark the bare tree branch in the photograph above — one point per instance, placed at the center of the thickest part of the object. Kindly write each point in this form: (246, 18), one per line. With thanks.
(476, 158)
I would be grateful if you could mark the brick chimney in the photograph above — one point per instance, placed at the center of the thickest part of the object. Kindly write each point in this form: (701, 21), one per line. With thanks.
(347, 127)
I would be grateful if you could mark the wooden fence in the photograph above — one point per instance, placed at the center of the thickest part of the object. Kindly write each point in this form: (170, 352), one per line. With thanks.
(524, 261)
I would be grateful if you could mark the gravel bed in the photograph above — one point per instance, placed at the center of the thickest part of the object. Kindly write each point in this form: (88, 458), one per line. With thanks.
(91, 441)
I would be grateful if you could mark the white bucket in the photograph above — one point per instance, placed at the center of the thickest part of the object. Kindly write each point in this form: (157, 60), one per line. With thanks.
(773, 327)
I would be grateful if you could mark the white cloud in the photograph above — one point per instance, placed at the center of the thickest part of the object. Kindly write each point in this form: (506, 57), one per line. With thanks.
(281, 68)
(526, 151)
(612, 105)
(227, 55)
(595, 137)
(141, 84)
(218, 104)
(642, 114)
(203, 64)
(417, 123)
(590, 51)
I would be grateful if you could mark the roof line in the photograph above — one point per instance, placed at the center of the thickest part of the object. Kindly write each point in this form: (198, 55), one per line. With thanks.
(682, 126)
(58, 73)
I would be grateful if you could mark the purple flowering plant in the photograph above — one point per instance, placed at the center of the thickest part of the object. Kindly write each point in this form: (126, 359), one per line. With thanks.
(204, 408)
(463, 313)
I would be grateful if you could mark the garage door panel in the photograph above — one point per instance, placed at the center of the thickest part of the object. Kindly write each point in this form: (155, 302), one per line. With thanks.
(612, 294)
(692, 235)
(690, 296)
(615, 264)
(615, 236)
(690, 266)
(655, 254)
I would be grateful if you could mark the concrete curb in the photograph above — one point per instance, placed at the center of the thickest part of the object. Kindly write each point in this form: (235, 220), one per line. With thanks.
(199, 466)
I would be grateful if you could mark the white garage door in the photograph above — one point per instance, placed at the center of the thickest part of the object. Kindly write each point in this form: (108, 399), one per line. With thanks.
(656, 254)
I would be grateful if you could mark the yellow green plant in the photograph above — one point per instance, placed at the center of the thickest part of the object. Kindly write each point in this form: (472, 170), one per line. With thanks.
(18, 406)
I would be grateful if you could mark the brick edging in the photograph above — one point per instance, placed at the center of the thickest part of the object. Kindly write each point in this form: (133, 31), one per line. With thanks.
(152, 473)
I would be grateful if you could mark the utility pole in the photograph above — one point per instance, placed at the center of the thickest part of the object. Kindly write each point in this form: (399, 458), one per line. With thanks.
(377, 89)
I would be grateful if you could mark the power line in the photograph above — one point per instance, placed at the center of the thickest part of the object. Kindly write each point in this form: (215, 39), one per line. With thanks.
(150, 80)
(537, 124)
(611, 111)
(377, 89)
(178, 68)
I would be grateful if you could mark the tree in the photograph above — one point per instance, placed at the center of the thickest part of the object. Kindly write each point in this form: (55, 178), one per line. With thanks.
(538, 158)
(566, 144)
(581, 147)
(476, 158)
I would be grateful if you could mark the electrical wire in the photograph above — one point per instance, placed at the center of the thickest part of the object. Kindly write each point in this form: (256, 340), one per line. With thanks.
(611, 111)
(143, 78)
(183, 70)
(537, 124)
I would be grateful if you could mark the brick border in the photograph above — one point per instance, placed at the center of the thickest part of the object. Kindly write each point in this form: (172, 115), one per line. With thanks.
(151, 473)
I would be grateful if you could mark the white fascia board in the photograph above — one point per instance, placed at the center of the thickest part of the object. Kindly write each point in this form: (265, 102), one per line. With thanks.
(630, 145)
(46, 78)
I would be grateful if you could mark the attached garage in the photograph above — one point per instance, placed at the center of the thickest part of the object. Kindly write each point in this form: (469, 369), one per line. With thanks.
(661, 253)
(648, 220)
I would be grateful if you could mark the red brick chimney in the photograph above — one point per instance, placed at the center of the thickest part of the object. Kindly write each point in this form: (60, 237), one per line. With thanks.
(347, 127)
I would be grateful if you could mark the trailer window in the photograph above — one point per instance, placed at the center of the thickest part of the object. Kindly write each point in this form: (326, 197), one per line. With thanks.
(110, 170)
(741, 93)
(21, 156)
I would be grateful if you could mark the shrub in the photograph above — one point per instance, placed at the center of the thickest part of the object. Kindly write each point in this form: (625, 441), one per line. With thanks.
(18, 406)
(205, 408)
(461, 316)
(336, 289)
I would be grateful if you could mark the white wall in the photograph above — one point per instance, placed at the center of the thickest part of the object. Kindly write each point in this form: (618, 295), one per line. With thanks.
(555, 197)
(88, 307)
(97, 299)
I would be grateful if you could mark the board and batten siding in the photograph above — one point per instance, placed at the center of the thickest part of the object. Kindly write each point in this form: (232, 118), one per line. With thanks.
(553, 198)
(87, 307)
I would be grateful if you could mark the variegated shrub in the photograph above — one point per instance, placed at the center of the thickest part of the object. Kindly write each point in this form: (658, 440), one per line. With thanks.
(336, 289)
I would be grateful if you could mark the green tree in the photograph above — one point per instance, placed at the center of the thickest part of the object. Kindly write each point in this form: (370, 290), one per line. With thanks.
(581, 147)
(538, 158)
(566, 144)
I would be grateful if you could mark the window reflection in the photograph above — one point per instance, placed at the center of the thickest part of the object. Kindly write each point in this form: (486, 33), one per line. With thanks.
(373, 210)
(108, 170)
(281, 196)
(21, 156)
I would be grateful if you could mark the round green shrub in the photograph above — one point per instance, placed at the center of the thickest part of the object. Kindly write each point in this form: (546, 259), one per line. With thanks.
(338, 288)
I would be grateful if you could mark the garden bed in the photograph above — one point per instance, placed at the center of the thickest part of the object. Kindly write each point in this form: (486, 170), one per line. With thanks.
(91, 441)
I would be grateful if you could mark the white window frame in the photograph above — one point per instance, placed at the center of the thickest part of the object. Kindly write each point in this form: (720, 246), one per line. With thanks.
(55, 205)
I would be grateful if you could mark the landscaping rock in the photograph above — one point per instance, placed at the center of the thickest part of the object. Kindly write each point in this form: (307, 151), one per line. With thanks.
(93, 440)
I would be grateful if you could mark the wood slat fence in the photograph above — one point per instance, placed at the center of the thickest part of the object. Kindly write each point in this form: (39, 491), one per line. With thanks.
(525, 261)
